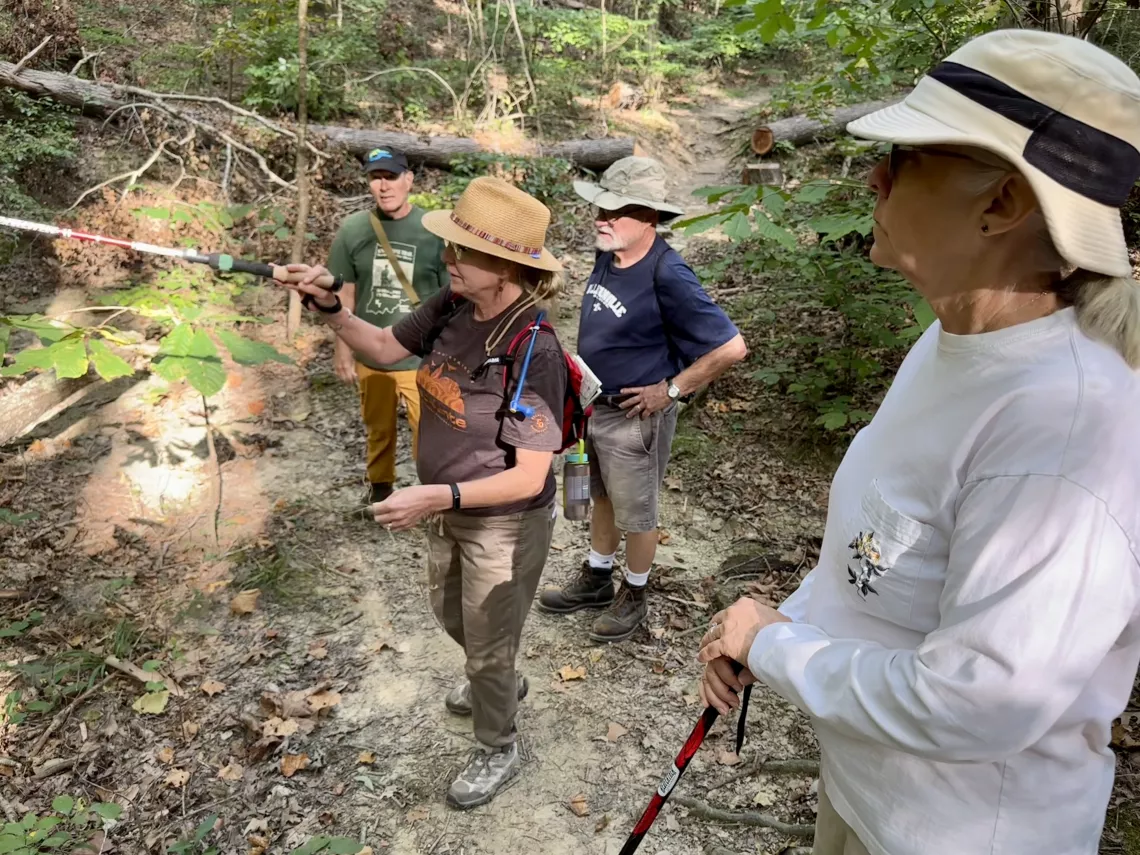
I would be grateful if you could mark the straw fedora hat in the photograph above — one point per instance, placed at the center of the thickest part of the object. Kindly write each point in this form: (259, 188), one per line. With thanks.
(1064, 112)
(499, 219)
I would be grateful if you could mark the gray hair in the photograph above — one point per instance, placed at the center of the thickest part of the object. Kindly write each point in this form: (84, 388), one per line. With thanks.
(1107, 307)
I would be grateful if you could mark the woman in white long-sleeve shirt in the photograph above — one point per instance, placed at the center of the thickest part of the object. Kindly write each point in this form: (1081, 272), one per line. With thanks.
(973, 625)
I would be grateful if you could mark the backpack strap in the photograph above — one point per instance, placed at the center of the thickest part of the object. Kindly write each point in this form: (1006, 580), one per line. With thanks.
(452, 306)
(397, 268)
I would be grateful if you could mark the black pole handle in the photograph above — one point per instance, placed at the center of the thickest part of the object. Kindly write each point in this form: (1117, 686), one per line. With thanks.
(257, 268)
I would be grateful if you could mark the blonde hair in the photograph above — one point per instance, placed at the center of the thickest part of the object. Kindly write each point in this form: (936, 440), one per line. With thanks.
(1107, 307)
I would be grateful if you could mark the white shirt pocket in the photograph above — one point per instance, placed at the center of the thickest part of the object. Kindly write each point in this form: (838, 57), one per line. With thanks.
(886, 560)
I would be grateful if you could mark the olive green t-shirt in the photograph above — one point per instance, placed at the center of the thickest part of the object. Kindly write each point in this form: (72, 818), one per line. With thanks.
(357, 255)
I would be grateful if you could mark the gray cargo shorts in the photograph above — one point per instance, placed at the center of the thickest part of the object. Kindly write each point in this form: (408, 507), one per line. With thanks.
(628, 457)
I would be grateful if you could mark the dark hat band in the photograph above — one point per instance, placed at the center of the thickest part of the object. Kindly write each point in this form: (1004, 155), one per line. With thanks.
(1079, 157)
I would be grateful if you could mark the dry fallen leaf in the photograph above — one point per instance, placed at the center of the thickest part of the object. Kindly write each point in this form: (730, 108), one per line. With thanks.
(657, 631)
(568, 673)
(418, 814)
(256, 825)
(339, 789)
(277, 727)
(152, 703)
(1125, 732)
(190, 729)
(602, 824)
(291, 764)
(596, 656)
(165, 755)
(257, 844)
(211, 687)
(727, 758)
(245, 602)
(318, 650)
(615, 732)
(271, 633)
(177, 778)
(366, 757)
(663, 537)
(764, 798)
(323, 700)
(232, 772)
(579, 806)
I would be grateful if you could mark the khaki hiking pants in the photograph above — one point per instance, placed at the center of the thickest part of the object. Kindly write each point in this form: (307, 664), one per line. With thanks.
(380, 392)
(482, 576)
(833, 836)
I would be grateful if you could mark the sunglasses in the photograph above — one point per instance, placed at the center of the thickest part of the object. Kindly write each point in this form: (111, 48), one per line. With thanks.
(604, 216)
(900, 154)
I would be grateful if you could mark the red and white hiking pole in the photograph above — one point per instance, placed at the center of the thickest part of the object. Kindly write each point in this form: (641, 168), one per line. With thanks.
(219, 261)
(688, 751)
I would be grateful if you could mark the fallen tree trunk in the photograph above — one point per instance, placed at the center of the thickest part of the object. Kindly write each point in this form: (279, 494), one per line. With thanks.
(439, 151)
(98, 99)
(799, 130)
(28, 404)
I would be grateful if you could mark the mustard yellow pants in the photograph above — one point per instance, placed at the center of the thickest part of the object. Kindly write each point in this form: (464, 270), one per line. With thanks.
(380, 392)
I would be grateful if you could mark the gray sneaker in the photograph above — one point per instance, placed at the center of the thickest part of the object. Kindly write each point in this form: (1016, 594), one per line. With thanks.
(458, 700)
(485, 774)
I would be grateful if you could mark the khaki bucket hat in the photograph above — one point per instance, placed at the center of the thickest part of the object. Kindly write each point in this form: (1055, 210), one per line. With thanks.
(630, 181)
(497, 218)
(1064, 112)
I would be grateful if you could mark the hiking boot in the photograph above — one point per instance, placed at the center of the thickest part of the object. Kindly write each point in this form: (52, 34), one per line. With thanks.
(376, 493)
(623, 619)
(458, 700)
(484, 776)
(593, 589)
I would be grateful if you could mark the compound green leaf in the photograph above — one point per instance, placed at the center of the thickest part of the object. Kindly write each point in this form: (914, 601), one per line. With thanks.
(108, 365)
(177, 341)
(27, 360)
(69, 357)
(248, 352)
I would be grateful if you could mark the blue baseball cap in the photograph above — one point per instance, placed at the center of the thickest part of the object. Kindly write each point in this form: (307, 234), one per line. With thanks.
(386, 160)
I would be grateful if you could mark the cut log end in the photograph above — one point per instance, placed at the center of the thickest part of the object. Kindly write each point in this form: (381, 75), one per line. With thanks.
(763, 140)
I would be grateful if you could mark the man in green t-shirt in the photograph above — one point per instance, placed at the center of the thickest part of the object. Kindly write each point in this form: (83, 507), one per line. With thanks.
(383, 285)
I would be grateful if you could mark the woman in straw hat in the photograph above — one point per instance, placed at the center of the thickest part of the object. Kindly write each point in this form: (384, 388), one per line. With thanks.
(486, 479)
(972, 627)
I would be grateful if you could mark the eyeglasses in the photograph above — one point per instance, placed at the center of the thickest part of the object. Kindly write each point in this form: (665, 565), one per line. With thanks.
(456, 250)
(900, 153)
(604, 216)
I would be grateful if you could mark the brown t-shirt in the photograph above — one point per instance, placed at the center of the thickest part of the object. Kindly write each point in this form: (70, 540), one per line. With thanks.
(462, 435)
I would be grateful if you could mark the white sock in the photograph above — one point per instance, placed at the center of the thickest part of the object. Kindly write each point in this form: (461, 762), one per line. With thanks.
(637, 580)
(602, 562)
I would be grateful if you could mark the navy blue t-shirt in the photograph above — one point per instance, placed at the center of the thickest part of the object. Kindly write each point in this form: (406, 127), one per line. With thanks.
(631, 333)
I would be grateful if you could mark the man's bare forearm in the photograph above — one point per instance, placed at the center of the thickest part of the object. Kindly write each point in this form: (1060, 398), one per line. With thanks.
(348, 300)
(711, 365)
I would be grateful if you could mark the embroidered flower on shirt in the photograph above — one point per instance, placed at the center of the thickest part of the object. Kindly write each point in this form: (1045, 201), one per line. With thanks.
(869, 566)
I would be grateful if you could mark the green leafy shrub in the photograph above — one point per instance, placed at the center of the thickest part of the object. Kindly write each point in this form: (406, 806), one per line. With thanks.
(71, 822)
(37, 139)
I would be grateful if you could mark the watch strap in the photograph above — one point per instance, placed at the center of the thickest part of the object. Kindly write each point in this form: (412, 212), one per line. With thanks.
(454, 496)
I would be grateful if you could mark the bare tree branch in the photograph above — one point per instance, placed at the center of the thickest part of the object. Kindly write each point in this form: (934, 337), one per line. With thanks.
(704, 811)
(20, 65)
(368, 78)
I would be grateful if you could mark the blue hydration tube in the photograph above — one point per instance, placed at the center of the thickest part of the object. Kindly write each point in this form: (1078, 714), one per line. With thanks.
(517, 406)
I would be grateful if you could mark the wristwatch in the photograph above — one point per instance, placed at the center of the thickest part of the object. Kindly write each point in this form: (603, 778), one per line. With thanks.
(673, 390)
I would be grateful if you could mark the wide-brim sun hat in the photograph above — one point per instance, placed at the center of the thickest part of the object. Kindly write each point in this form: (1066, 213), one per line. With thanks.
(630, 181)
(1064, 112)
(497, 218)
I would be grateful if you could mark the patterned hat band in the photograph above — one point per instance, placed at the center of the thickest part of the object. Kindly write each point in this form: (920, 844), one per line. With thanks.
(498, 241)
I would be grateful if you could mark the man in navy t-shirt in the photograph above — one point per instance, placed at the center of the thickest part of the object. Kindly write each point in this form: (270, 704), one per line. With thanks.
(652, 336)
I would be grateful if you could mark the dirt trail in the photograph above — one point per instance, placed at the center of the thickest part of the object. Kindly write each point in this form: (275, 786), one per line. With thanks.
(293, 468)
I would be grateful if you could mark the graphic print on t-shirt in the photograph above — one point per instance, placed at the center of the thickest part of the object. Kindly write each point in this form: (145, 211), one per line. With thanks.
(441, 394)
(604, 298)
(387, 296)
